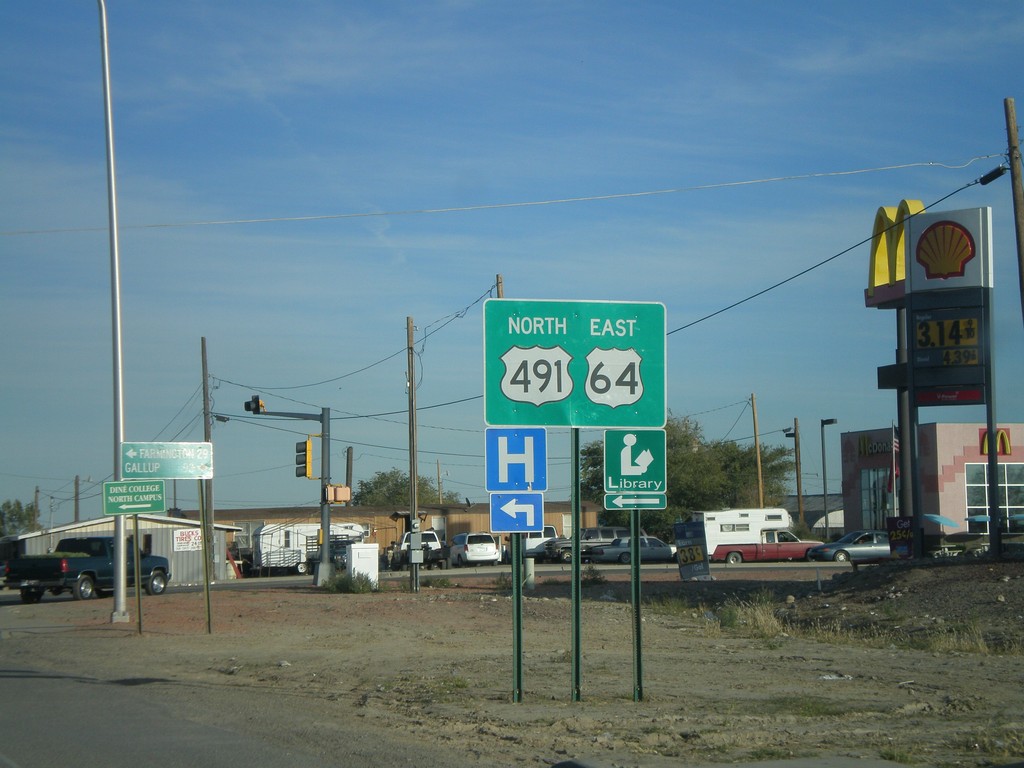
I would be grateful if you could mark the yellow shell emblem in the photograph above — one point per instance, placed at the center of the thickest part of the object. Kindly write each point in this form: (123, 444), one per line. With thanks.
(944, 250)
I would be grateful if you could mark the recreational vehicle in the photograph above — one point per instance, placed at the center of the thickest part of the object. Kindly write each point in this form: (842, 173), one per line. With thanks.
(738, 535)
(297, 545)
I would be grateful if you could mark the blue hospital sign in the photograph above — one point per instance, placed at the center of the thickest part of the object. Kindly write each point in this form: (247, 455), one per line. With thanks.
(516, 459)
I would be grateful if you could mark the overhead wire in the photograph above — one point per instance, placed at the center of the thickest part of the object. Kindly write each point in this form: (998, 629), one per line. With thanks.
(811, 268)
(446, 320)
(516, 204)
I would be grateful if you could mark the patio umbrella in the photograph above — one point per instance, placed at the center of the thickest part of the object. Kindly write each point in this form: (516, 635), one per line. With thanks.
(941, 520)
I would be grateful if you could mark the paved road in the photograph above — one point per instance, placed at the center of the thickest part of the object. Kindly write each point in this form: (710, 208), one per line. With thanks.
(74, 720)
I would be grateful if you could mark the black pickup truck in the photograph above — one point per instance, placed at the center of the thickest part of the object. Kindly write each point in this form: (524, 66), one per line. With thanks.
(85, 567)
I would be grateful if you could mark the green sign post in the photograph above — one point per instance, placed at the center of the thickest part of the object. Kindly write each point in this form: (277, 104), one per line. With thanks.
(574, 363)
(168, 461)
(134, 497)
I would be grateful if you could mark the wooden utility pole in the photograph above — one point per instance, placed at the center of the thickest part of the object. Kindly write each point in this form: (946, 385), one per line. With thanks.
(1013, 144)
(414, 568)
(348, 469)
(206, 486)
(799, 472)
(757, 451)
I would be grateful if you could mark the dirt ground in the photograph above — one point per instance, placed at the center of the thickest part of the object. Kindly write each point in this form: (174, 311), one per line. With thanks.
(917, 664)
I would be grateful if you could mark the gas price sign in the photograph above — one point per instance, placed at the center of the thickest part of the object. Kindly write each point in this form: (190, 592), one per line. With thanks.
(948, 337)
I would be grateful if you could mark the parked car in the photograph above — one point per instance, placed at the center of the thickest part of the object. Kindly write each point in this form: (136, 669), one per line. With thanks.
(652, 550)
(474, 549)
(560, 549)
(857, 547)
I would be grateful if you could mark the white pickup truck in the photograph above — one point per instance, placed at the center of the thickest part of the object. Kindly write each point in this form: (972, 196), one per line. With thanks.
(435, 552)
(535, 541)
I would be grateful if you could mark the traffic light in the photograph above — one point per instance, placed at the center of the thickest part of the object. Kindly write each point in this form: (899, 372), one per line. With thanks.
(255, 405)
(304, 458)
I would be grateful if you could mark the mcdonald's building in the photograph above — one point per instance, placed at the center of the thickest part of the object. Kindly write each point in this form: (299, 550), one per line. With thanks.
(953, 464)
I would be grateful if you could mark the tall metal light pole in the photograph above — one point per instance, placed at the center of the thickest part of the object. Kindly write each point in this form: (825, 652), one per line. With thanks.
(824, 473)
(120, 613)
(795, 434)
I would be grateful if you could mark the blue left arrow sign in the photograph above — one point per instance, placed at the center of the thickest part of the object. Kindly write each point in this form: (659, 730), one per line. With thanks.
(517, 512)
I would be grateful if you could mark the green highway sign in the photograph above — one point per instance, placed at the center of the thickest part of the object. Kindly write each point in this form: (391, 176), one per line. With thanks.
(168, 461)
(134, 497)
(574, 363)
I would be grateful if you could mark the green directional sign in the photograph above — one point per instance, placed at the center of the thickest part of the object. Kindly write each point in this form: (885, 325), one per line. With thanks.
(134, 497)
(635, 501)
(634, 461)
(635, 469)
(574, 363)
(168, 461)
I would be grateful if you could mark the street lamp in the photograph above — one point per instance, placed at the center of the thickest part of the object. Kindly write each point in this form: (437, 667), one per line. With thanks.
(824, 473)
(795, 434)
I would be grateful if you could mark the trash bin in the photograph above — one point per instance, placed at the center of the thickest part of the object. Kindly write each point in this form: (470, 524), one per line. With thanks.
(364, 560)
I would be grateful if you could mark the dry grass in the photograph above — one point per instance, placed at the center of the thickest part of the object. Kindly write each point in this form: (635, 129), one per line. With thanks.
(760, 616)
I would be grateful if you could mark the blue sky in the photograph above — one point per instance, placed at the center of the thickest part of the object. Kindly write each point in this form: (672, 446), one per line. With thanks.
(295, 180)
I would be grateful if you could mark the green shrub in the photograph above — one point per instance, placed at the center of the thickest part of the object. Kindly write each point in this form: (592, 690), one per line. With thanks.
(345, 583)
(592, 576)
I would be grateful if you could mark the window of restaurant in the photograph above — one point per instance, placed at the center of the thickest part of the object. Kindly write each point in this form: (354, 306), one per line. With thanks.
(1011, 496)
(876, 498)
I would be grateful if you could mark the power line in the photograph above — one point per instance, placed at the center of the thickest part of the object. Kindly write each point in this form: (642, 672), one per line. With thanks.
(811, 268)
(446, 320)
(500, 206)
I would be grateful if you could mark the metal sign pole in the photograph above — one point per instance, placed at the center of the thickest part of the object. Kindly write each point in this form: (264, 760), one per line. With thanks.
(995, 515)
(574, 577)
(517, 617)
(634, 583)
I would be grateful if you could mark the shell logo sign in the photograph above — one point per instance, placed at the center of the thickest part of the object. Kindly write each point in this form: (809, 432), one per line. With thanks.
(951, 249)
(944, 250)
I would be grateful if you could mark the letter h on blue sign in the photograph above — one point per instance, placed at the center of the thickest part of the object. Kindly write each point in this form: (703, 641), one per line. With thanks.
(516, 459)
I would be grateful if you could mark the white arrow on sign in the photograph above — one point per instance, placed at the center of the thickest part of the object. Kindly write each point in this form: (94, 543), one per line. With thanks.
(513, 509)
(622, 501)
(131, 453)
(135, 506)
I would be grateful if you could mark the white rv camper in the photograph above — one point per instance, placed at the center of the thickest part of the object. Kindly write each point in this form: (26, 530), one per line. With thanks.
(297, 545)
(740, 526)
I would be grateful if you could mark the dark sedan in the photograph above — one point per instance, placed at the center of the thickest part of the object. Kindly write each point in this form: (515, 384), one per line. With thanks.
(856, 547)
(652, 550)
